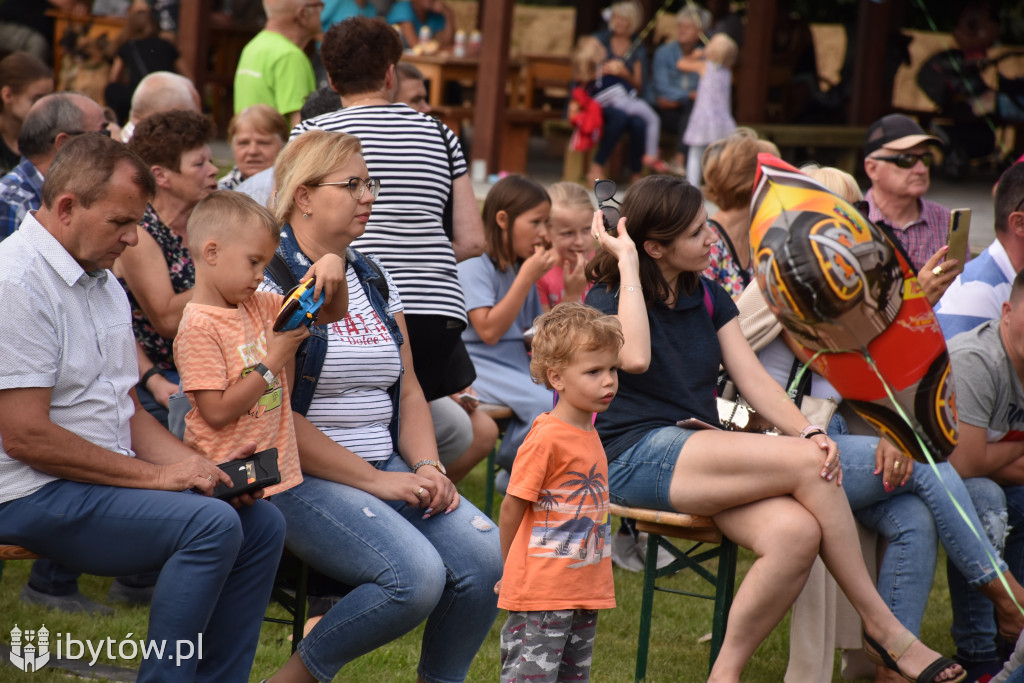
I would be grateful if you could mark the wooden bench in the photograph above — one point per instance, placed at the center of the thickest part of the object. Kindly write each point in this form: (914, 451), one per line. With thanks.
(515, 141)
(659, 526)
(847, 140)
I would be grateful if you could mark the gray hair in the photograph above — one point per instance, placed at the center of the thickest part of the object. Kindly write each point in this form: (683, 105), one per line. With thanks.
(163, 91)
(51, 115)
(698, 16)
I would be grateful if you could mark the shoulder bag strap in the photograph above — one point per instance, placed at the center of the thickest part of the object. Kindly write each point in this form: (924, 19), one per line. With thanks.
(446, 220)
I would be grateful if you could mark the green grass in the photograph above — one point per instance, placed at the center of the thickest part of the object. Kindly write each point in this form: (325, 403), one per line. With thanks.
(675, 654)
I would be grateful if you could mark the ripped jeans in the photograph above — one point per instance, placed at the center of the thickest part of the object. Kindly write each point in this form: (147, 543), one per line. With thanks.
(1001, 510)
(403, 569)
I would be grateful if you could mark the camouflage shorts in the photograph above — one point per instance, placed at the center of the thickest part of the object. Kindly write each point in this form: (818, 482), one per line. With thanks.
(548, 647)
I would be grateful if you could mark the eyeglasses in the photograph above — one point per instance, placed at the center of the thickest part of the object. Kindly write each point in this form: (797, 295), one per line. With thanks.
(907, 160)
(605, 190)
(357, 187)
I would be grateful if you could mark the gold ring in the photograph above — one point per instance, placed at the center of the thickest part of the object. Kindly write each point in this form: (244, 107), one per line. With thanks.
(937, 270)
(896, 465)
(419, 492)
(209, 477)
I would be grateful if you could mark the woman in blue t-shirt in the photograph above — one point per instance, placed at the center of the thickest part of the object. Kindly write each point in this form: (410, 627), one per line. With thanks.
(779, 496)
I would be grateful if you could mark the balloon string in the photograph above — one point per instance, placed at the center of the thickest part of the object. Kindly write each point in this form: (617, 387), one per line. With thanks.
(924, 449)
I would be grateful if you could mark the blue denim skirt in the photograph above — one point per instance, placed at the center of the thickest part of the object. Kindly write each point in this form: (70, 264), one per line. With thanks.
(642, 475)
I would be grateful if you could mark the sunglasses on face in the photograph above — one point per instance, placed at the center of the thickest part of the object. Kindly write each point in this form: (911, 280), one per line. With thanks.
(907, 160)
(605, 190)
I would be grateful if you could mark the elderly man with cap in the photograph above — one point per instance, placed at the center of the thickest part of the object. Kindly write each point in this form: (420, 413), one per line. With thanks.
(897, 155)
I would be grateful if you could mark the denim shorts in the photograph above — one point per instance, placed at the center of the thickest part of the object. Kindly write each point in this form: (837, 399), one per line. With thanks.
(642, 475)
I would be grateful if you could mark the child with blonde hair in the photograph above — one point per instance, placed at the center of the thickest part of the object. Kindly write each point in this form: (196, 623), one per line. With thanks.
(568, 233)
(615, 91)
(711, 118)
(234, 367)
(554, 522)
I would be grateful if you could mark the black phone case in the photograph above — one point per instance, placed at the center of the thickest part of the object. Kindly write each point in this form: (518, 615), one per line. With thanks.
(255, 472)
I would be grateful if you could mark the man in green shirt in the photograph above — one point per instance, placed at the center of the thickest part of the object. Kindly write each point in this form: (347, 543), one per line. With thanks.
(273, 69)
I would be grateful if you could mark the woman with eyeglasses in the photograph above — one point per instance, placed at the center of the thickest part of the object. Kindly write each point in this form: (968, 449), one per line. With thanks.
(374, 511)
(780, 496)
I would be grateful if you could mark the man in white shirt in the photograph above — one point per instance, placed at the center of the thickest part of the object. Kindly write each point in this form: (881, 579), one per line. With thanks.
(88, 478)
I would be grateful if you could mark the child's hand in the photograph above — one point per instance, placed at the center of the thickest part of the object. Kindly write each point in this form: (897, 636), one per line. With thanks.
(574, 276)
(540, 262)
(282, 346)
(497, 588)
(330, 276)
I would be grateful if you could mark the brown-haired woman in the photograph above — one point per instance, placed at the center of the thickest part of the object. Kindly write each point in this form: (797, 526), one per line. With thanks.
(779, 496)
(23, 80)
(257, 134)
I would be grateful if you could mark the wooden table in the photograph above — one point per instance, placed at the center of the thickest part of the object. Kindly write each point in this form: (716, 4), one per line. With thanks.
(544, 71)
(443, 68)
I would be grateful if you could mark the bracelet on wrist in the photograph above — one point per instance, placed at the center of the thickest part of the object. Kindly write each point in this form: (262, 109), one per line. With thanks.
(148, 375)
(810, 430)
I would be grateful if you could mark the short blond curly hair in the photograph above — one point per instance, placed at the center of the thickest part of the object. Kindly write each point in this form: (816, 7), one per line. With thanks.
(566, 329)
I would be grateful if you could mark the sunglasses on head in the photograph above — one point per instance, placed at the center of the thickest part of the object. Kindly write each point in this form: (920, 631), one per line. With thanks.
(907, 160)
(605, 190)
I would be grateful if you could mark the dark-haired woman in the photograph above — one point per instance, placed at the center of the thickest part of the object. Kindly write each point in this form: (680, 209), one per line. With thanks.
(778, 496)
(23, 80)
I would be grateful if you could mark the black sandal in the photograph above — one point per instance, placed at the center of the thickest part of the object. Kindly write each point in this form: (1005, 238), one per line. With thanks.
(889, 658)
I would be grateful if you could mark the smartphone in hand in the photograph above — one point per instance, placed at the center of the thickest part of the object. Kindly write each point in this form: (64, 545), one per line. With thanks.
(959, 231)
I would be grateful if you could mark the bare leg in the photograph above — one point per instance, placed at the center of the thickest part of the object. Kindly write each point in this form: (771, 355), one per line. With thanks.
(718, 470)
(786, 538)
(485, 434)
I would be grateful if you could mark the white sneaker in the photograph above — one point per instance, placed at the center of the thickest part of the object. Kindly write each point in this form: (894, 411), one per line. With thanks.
(625, 553)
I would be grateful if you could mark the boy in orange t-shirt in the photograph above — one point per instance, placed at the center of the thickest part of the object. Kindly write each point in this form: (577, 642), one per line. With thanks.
(232, 363)
(554, 520)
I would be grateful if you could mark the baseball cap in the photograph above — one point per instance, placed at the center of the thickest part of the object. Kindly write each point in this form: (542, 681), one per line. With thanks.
(896, 131)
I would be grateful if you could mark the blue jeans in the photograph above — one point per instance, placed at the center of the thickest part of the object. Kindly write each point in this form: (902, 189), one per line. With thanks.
(617, 122)
(403, 569)
(1002, 510)
(910, 518)
(218, 564)
(149, 401)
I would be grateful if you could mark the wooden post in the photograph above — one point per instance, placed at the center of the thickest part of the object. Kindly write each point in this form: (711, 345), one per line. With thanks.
(489, 114)
(194, 38)
(755, 59)
(588, 18)
(872, 97)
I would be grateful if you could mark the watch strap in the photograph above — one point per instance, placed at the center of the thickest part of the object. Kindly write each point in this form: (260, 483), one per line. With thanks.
(264, 372)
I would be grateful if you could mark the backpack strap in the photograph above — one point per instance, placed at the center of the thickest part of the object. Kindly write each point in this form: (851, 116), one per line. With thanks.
(446, 220)
(709, 303)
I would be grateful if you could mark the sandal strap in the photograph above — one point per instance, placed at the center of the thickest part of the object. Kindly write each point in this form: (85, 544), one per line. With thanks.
(932, 671)
(901, 644)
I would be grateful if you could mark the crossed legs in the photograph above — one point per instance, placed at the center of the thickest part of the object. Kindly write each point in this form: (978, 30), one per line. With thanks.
(767, 494)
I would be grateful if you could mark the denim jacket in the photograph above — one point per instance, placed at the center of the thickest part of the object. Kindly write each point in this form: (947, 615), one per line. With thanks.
(309, 359)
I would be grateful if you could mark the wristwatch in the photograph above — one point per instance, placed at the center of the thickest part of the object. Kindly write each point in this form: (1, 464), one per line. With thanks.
(432, 463)
(263, 370)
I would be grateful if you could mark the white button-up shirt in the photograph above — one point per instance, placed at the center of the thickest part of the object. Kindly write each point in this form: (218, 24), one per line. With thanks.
(64, 328)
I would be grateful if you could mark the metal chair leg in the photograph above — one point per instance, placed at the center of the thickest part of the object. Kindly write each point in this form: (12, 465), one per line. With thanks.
(725, 582)
(647, 605)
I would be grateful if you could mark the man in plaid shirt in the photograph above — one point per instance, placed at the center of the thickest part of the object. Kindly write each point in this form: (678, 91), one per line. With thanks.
(51, 122)
(897, 155)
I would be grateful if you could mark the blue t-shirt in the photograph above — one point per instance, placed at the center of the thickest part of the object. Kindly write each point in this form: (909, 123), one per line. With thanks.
(339, 10)
(680, 381)
(403, 11)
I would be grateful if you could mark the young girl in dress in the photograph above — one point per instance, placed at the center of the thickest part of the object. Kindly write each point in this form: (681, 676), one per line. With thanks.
(502, 302)
(711, 118)
(568, 232)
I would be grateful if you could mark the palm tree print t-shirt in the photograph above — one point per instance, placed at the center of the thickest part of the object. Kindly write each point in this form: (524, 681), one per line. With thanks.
(561, 556)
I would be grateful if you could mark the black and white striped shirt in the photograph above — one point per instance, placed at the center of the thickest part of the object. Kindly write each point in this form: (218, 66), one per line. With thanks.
(405, 151)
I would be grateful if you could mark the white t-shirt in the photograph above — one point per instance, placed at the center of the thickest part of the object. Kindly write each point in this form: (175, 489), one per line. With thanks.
(405, 151)
(351, 403)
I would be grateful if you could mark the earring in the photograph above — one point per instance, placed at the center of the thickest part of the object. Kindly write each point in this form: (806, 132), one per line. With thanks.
(305, 215)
